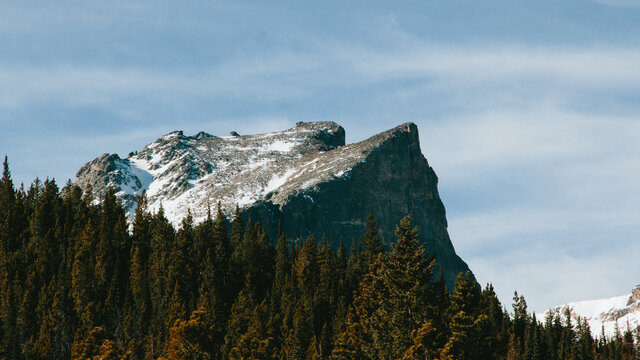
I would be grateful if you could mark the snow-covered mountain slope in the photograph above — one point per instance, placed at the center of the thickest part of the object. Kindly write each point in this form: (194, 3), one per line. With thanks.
(619, 311)
(182, 173)
(305, 178)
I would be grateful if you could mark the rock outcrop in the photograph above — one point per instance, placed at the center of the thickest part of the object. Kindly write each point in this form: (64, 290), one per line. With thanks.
(306, 178)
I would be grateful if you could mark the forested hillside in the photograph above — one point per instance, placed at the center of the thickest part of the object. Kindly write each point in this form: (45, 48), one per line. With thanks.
(77, 281)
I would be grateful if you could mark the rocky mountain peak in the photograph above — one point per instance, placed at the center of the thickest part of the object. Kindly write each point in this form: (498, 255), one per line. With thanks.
(305, 177)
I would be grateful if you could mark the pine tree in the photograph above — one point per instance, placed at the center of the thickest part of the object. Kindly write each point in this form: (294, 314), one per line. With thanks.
(393, 300)
(240, 317)
(183, 274)
(355, 271)
(83, 282)
(235, 272)
(281, 268)
(255, 343)
(340, 267)
(112, 258)
(237, 228)
(176, 309)
(325, 292)
(363, 336)
(584, 346)
(408, 274)
(371, 240)
(191, 339)
(496, 343)
(8, 245)
(301, 323)
(255, 259)
(95, 346)
(284, 319)
(469, 326)
(520, 320)
(424, 343)
(139, 279)
(565, 347)
(162, 235)
(218, 256)
(8, 231)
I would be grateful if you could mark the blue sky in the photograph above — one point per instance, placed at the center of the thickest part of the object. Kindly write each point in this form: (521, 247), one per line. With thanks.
(528, 111)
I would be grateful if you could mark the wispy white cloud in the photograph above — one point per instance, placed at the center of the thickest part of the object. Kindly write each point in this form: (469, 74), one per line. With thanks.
(539, 133)
(634, 3)
(82, 85)
(294, 75)
(591, 66)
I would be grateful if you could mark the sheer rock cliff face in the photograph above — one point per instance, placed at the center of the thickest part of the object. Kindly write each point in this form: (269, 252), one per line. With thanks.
(305, 177)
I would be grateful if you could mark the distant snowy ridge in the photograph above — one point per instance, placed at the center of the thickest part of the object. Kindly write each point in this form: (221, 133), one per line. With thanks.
(616, 312)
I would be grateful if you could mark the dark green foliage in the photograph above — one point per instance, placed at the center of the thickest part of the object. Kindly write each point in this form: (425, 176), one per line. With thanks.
(370, 241)
(78, 281)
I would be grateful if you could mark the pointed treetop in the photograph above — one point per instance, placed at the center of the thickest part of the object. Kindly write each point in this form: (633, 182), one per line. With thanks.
(6, 174)
(407, 236)
(161, 210)
(237, 228)
(187, 221)
(220, 216)
(342, 251)
(325, 241)
(88, 193)
(355, 248)
(371, 239)
(209, 212)
(5, 183)
(142, 202)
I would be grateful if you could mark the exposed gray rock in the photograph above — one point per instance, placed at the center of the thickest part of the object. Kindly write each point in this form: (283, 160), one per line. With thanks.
(635, 295)
(305, 177)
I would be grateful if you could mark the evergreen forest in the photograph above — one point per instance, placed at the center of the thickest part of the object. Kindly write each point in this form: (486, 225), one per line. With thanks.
(77, 281)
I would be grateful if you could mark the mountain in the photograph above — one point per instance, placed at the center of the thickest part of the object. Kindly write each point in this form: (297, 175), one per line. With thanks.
(619, 311)
(305, 177)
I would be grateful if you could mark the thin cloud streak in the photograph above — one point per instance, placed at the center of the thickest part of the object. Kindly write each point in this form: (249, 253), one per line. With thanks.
(630, 3)
(594, 66)
(477, 232)
(20, 86)
(295, 75)
(538, 135)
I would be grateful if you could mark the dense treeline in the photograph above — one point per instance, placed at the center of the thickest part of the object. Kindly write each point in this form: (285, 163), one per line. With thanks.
(77, 282)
